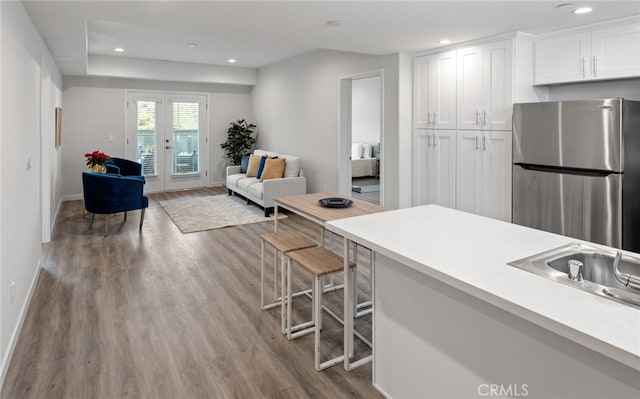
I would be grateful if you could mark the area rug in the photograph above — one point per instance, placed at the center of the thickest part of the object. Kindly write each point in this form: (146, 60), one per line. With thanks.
(212, 212)
(366, 189)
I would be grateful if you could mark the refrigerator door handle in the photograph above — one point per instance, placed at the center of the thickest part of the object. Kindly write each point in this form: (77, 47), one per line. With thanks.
(567, 171)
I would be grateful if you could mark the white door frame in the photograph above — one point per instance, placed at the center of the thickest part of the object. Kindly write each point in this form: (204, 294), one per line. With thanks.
(344, 130)
(163, 180)
(46, 145)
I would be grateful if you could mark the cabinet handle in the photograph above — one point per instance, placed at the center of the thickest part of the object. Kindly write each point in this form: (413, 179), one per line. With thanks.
(477, 143)
(429, 140)
(584, 67)
(435, 120)
(477, 117)
(435, 141)
(484, 117)
(428, 118)
(595, 66)
(484, 142)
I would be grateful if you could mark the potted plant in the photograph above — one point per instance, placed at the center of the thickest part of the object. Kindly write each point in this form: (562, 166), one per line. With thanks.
(239, 142)
(96, 161)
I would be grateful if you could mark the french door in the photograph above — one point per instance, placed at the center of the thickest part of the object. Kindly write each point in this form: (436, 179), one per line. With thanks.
(167, 134)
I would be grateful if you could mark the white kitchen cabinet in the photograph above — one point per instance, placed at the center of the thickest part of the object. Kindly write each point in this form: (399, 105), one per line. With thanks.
(483, 173)
(600, 54)
(435, 167)
(434, 91)
(484, 86)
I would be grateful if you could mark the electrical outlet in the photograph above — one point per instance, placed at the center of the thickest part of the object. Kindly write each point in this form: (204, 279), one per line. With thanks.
(12, 292)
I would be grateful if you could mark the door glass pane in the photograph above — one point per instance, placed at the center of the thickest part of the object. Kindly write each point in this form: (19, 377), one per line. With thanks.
(186, 135)
(147, 136)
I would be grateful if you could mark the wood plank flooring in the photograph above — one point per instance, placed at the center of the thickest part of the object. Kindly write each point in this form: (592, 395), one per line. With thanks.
(161, 314)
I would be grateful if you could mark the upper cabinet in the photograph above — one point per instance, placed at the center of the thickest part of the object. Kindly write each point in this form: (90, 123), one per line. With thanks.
(485, 86)
(434, 91)
(600, 54)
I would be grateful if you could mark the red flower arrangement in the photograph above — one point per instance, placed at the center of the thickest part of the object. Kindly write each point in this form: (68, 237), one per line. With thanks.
(96, 158)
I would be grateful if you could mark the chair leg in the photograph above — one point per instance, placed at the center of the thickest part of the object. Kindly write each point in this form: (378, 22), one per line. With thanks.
(317, 313)
(106, 225)
(141, 218)
(125, 216)
(93, 216)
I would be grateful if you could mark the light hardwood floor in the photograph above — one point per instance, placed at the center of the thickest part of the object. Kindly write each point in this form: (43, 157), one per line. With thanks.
(160, 314)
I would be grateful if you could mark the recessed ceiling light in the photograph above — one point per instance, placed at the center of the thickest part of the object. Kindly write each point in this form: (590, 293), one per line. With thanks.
(583, 10)
(192, 44)
(334, 22)
(118, 49)
(231, 60)
(444, 41)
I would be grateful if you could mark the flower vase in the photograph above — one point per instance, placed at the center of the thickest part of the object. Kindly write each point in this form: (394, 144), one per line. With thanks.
(98, 168)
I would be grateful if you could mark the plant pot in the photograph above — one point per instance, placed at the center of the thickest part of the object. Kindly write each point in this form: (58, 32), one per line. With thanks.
(98, 168)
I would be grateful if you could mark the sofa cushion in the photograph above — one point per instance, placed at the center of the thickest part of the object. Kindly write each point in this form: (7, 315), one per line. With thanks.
(255, 190)
(292, 168)
(263, 162)
(244, 164)
(243, 184)
(266, 153)
(232, 180)
(273, 169)
(254, 165)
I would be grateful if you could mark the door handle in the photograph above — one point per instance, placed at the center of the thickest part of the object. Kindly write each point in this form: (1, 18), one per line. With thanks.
(595, 66)
(484, 117)
(584, 67)
(484, 142)
(477, 143)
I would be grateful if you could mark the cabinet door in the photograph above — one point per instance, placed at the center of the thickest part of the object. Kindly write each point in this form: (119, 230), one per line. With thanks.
(563, 59)
(469, 87)
(443, 162)
(422, 140)
(496, 175)
(616, 52)
(469, 171)
(442, 90)
(497, 89)
(421, 112)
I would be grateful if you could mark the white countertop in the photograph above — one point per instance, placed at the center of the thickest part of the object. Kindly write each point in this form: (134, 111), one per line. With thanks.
(471, 253)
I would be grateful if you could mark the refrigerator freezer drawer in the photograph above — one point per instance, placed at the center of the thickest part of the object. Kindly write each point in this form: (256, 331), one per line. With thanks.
(580, 206)
(573, 134)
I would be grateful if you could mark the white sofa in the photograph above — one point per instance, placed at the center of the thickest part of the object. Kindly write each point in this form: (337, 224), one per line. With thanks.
(263, 192)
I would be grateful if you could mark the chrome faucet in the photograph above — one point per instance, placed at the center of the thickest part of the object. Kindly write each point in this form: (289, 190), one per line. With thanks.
(576, 270)
(630, 280)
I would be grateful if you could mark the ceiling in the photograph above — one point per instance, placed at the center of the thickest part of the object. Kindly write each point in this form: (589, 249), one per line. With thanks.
(259, 33)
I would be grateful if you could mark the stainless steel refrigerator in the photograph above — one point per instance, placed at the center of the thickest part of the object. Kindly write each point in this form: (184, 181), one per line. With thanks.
(576, 169)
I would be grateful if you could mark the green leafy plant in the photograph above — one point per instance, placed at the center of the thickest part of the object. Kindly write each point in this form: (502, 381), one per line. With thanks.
(239, 142)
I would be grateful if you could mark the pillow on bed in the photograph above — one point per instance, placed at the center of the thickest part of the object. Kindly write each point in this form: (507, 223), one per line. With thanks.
(367, 150)
(356, 150)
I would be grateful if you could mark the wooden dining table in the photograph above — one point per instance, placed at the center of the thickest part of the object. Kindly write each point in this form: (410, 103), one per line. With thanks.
(308, 206)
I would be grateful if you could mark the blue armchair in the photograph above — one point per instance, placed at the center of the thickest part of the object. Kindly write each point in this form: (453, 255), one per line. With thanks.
(106, 194)
(124, 167)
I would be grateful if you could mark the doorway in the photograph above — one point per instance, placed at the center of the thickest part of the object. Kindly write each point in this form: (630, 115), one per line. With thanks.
(167, 134)
(361, 137)
(365, 138)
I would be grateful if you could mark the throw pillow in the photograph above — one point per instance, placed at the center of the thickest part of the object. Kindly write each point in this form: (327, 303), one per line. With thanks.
(366, 150)
(263, 161)
(254, 165)
(356, 150)
(273, 169)
(244, 164)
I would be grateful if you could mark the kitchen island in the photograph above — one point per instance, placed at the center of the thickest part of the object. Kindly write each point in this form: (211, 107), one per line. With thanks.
(452, 319)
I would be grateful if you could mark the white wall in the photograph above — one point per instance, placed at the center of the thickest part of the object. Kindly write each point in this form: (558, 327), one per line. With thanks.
(23, 55)
(94, 109)
(365, 110)
(296, 104)
(628, 88)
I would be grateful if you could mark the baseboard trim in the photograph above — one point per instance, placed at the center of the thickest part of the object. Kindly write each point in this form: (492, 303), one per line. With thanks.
(72, 197)
(16, 331)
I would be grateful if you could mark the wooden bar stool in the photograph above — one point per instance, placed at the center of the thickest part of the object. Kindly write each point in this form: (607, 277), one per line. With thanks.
(320, 262)
(282, 242)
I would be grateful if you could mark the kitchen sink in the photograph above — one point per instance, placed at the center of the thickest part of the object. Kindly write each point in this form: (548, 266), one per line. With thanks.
(598, 270)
